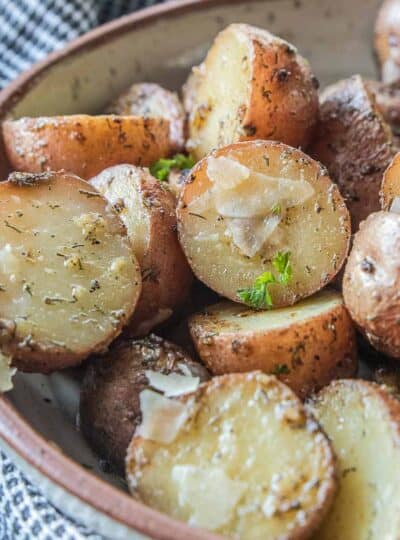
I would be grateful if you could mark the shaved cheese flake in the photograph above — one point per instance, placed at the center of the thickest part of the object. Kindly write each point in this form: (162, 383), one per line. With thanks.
(6, 372)
(395, 206)
(248, 200)
(172, 384)
(249, 235)
(227, 171)
(209, 493)
(162, 418)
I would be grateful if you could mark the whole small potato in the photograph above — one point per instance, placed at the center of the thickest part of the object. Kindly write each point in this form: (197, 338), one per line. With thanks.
(109, 403)
(371, 285)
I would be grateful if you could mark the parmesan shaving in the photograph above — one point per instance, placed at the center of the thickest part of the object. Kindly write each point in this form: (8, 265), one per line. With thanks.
(162, 418)
(209, 493)
(248, 201)
(395, 206)
(6, 372)
(172, 384)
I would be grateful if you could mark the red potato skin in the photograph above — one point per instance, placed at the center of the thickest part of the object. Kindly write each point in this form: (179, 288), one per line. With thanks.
(391, 183)
(355, 144)
(115, 381)
(83, 144)
(309, 366)
(371, 282)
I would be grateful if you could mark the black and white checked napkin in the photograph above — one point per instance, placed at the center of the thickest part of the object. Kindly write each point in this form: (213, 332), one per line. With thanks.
(29, 30)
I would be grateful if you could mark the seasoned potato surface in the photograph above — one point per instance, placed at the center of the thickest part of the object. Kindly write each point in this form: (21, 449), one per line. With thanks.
(243, 458)
(250, 203)
(69, 279)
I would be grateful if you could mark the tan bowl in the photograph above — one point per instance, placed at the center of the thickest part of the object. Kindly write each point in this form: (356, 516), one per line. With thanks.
(37, 419)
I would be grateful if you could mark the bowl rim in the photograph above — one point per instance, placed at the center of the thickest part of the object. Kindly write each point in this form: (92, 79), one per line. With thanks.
(17, 433)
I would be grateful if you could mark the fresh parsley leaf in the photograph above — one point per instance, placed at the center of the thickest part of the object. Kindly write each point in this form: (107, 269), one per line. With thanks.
(276, 209)
(280, 369)
(282, 265)
(259, 296)
(161, 168)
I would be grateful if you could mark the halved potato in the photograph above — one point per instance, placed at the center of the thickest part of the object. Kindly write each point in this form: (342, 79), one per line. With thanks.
(363, 422)
(306, 345)
(240, 456)
(390, 189)
(109, 401)
(147, 209)
(69, 280)
(354, 143)
(371, 281)
(249, 202)
(84, 145)
(151, 100)
(252, 85)
(387, 40)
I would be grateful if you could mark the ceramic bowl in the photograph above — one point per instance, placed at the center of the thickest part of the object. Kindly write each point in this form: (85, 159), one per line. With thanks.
(38, 417)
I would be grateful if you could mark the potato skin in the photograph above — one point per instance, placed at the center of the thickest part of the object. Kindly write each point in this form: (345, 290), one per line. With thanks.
(372, 280)
(151, 100)
(109, 400)
(354, 143)
(166, 275)
(387, 97)
(306, 355)
(83, 144)
(387, 40)
(281, 101)
(391, 183)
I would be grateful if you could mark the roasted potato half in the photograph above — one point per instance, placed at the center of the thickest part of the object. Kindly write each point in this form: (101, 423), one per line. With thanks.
(363, 422)
(387, 40)
(151, 100)
(85, 145)
(372, 280)
(306, 345)
(390, 189)
(147, 209)
(252, 85)
(354, 143)
(109, 401)
(247, 204)
(239, 456)
(69, 280)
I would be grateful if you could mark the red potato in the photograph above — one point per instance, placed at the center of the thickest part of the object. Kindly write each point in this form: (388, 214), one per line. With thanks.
(83, 144)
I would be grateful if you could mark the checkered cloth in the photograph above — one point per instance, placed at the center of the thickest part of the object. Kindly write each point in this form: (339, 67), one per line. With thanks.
(29, 30)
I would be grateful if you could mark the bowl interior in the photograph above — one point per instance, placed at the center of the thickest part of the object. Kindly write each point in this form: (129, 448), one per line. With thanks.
(336, 37)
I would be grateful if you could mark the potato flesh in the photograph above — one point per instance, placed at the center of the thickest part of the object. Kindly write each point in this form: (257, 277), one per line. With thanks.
(66, 267)
(119, 185)
(316, 232)
(216, 104)
(366, 441)
(256, 435)
(229, 318)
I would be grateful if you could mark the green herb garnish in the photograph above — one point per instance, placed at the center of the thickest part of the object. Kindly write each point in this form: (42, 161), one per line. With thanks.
(161, 168)
(280, 369)
(276, 210)
(259, 296)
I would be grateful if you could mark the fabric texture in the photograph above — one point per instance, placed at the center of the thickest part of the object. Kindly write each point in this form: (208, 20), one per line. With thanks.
(29, 30)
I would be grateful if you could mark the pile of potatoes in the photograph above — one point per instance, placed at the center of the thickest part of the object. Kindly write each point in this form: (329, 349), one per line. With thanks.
(219, 264)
